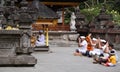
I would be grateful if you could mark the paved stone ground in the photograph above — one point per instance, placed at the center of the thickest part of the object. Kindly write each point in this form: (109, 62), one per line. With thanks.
(62, 60)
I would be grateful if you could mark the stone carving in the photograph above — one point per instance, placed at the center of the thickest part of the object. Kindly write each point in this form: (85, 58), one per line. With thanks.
(103, 20)
(2, 19)
(72, 22)
(80, 19)
(15, 44)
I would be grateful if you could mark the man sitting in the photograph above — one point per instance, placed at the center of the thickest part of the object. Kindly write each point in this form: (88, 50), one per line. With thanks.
(41, 39)
(111, 60)
(82, 47)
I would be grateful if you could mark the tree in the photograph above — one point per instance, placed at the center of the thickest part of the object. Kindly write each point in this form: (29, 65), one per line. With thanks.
(92, 8)
(117, 5)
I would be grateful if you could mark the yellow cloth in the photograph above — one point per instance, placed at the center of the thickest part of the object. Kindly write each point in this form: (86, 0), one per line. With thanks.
(112, 59)
(33, 40)
(8, 28)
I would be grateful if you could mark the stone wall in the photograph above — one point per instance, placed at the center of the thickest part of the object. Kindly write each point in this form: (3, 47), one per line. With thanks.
(63, 38)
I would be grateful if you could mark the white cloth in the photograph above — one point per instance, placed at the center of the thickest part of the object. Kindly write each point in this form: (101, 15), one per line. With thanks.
(40, 41)
(105, 55)
(83, 49)
(95, 52)
(103, 47)
(111, 65)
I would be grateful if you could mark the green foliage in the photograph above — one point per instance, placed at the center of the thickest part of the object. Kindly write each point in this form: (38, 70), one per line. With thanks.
(91, 12)
(67, 20)
(116, 16)
(68, 15)
(92, 9)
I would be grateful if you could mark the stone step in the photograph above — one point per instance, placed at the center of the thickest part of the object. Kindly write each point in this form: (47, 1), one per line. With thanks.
(41, 48)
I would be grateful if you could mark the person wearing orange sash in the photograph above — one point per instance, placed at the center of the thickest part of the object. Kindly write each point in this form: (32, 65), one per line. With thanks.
(89, 41)
(89, 46)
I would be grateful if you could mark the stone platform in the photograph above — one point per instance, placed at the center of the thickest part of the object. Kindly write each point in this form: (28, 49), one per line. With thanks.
(19, 60)
(12, 52)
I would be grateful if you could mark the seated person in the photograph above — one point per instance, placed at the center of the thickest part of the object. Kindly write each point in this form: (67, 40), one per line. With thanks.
(82, 46)
(107, 53)
(111, 48)
(111, 60)
(41, 39)
(102, 53)
(89, 41)
(91, 47)
(95, 50)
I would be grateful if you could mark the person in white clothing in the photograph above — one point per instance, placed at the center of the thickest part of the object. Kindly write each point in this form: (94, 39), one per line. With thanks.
(41, 39)
(82, 46)
(95, 49)
(103, 53)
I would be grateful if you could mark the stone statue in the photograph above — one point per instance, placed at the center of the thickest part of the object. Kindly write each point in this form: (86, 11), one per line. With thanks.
(72, 22)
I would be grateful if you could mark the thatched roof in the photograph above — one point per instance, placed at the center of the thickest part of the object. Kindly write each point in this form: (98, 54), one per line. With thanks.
(43, 11)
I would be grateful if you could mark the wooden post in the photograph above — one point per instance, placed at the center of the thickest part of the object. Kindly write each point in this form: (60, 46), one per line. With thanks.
(43, 28)
(47, 36)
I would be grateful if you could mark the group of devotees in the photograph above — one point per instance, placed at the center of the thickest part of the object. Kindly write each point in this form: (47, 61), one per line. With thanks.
(99, 49)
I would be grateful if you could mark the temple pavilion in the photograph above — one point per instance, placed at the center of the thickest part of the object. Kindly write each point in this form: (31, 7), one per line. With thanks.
(57, 6)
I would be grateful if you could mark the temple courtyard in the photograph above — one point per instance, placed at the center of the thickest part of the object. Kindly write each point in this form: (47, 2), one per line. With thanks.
(61, 59)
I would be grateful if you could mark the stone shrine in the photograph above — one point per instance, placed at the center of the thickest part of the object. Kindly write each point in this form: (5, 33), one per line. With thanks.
(81, 24)
(15, 34)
